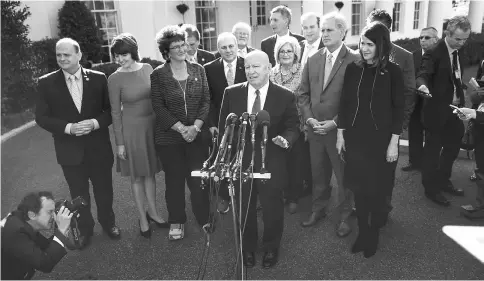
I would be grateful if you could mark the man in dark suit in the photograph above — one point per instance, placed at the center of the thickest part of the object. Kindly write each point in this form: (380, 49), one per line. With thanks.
(404, 59)
(194, 54)
(257, 94)
(74, 106)
(441, 75)
(242, 31)
(319, 95)
(313, 41)
(280, 21)
(221, 73)
(24, 249)
(428, 38)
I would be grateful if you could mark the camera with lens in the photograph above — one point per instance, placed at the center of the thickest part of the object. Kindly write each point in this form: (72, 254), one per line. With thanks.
(73, 206)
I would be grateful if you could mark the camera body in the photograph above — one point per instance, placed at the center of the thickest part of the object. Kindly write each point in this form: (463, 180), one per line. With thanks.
(73, 206)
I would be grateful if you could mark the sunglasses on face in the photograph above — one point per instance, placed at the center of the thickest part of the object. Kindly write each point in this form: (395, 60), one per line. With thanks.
(425, 37)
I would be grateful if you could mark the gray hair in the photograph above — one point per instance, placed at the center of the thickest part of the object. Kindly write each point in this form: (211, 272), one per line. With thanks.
(458, 22)
(284, 11)
(225, 35)
(243, 25)
(339, 20)
(305, 16)
(433, 29)
(71, 41)
(283, 40)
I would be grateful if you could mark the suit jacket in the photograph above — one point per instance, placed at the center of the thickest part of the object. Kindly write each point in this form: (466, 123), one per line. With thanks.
(249, 49)
(204, 57)
(417, 60)
(305, 42)
(319, 101)
(436, 73)
(387, 99)
(171, 105)
(217, 82)
(267, 45)
(55, 109)
(404, 59)
(284, 121)
(25, 250)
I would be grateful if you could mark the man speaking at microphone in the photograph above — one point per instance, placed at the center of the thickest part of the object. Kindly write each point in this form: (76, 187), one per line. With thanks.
(253, 96)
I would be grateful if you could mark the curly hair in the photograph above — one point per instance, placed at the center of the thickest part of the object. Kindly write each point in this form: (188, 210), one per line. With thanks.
(379, 34)
(381, 16)
(168, 35)
(292, 41)
(125, 43)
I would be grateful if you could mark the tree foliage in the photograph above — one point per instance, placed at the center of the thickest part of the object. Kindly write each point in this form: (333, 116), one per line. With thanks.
(77, 22)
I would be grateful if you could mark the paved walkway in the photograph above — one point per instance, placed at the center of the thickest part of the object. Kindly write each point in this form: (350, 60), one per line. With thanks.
(412, 246)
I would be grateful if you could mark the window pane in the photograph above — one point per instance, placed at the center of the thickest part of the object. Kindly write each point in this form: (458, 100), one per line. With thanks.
(99, 20)
(111, 20)
(99, 5)
(89, 4)
(109, 5)
(111, 34)
(104, 37)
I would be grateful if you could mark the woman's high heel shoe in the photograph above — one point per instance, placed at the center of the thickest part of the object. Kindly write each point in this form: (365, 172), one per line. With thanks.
(159, 224)
(147, 233)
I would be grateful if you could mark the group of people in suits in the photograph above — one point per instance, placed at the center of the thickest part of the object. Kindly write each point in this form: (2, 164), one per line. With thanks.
(164, 119)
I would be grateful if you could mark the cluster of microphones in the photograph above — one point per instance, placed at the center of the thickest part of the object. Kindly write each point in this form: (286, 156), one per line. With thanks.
(228, 165)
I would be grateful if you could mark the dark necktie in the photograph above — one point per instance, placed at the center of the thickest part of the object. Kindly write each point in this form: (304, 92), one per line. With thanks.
(256, 106)
(459, 93)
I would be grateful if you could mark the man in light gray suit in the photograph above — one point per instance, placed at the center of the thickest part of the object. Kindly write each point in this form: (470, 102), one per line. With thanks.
(319, 97)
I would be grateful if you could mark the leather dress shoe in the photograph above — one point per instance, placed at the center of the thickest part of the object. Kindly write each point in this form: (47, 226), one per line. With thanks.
(84, 241)
(472, 213)
(438, 198)
(249, 259)
(343, 229)
(451, 189)
(270, 258)
(410, 167)
(292, 208)
(313, 218)
(113, 232)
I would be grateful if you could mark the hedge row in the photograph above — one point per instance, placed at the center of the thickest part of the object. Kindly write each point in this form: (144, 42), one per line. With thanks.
(109, 68)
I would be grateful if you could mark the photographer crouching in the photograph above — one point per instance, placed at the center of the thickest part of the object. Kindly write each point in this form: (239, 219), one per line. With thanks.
(24, 249)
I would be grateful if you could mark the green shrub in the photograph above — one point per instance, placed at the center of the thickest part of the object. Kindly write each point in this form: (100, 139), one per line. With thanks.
(153, 63)
(107, 68)
(409, 44)
(43, 56)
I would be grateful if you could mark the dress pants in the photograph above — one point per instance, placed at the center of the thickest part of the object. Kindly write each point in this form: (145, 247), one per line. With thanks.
(441, 148)
(296, 158)
(179, 160)
(100, 174)
(324, 160)
(416, 135)
(479, 155)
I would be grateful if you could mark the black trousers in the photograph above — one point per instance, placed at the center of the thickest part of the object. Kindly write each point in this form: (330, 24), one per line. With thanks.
(179, 160)
(298, 169)
(416, 135)
(100, 174)
(440, 151)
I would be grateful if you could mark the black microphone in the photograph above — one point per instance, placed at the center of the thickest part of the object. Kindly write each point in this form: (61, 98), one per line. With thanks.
(253, 127)
(265, 120)
(244, 119)
(223, 143)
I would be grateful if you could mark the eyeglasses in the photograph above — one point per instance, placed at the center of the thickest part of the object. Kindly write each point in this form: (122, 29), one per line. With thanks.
(241, 34)
(425, 37)
(179, 47)
(283, 52)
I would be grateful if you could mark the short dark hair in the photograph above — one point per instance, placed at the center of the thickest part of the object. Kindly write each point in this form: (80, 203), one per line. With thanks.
(381, 16)
(191, 30)
(168, 35)
(456, 22)
(32, 202)
(379, 34)
(284, 11)
(123, 44)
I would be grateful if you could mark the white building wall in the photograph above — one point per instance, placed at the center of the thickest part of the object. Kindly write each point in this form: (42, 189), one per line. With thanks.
(43, 20)
(231, 12)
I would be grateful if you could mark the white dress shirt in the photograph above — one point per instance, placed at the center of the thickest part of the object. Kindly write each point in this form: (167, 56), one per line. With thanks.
(334, 54)
(242, 52)
(226, 67)
(192, 58)
(310, 50)
(251, 96)
(458, 74)
(79, 84)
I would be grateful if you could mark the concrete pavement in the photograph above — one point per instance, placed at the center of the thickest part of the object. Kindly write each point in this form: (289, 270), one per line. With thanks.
(412, 246)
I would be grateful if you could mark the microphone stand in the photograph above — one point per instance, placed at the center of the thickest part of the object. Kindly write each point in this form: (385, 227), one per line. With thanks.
(263, 146)
(205, 166)
(253, 125)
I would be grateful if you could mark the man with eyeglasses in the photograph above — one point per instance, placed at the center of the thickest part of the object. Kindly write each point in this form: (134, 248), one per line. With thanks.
(428, 38)
(319, 96)
(194, 54)
(440, 76)
(241, 31)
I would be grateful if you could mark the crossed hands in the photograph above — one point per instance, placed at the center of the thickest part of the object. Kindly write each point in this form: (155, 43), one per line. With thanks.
(82, 128)
(322, 127)
(189, 133)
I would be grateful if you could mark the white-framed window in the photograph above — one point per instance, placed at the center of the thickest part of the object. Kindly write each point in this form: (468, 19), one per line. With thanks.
(260, 13)
(356, 8)
(206, 16)
(416, 15)
(396, 16)
(106, 18)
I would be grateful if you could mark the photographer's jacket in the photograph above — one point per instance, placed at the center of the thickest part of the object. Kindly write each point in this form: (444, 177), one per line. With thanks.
(25, 250)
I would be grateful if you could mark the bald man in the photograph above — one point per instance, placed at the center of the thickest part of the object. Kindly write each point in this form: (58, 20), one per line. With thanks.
(251, 97)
